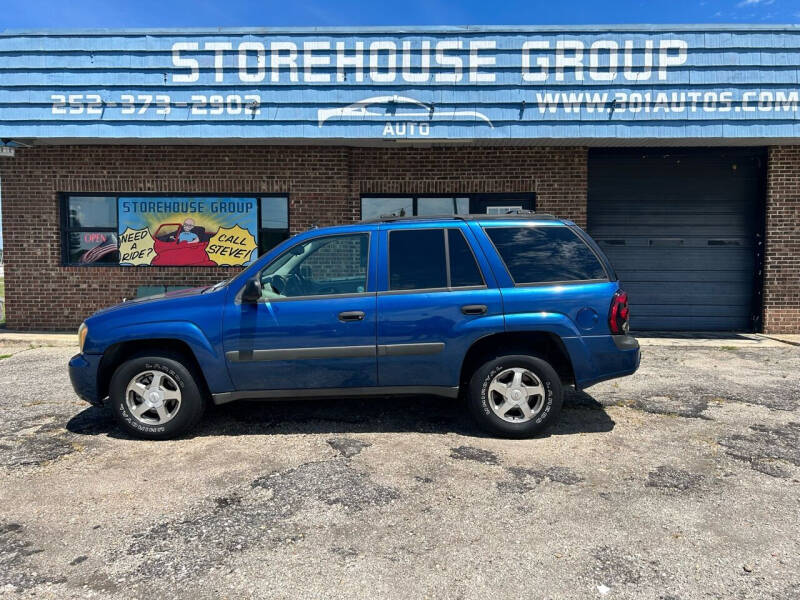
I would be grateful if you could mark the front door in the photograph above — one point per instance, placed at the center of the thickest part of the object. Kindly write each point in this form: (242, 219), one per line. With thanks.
(315, 324)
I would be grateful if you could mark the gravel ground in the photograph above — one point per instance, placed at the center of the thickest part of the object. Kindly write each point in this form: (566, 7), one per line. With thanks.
(682, 481)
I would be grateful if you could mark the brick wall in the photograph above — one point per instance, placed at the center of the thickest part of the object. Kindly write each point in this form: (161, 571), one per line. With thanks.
(324, 184)
(782, 256)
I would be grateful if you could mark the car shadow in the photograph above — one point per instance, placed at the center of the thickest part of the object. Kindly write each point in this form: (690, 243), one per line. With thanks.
(420, 414)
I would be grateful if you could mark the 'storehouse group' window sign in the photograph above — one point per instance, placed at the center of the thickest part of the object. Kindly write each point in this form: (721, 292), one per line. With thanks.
(187, 231)
(163, 231)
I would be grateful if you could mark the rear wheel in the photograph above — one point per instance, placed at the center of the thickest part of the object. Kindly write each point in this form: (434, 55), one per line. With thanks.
(155, 397)
(515, 396)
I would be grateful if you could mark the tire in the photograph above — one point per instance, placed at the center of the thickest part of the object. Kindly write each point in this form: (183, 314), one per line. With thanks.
(537, 386)
(178, 407)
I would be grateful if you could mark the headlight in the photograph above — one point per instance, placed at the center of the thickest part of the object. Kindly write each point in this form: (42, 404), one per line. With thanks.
(82, 331)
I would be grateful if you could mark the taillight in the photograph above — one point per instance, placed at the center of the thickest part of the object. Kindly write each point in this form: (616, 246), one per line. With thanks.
(619, 313)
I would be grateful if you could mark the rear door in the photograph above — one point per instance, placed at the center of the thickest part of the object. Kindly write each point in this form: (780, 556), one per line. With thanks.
(436, 297)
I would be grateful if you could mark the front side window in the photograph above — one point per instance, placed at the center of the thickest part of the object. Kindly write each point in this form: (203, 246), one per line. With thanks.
(418, 260)
(323, 266)
(546, 253)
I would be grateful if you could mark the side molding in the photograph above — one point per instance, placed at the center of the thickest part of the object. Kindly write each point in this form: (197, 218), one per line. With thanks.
(334, 352)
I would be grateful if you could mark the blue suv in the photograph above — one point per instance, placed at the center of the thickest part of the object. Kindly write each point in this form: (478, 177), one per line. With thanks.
(505, 311)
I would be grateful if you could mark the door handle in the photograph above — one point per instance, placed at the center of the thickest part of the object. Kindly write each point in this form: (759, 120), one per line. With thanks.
(474, 309)
(351, 315)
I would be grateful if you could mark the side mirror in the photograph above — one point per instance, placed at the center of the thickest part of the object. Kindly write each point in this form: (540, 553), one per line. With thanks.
(252, 292)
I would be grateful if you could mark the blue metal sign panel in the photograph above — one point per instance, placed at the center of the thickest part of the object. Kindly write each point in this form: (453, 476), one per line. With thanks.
(437, 83)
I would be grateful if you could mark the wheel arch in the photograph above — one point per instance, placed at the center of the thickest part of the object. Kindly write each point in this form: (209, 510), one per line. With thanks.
(544, 344)
(118, 353)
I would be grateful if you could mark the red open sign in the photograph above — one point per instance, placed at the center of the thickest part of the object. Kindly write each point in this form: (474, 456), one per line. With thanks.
(95, 238)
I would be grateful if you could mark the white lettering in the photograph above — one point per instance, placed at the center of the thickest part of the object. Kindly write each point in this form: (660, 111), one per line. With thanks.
(647, 69)
(575, 61)
(375, 49)
(185, 63)
(476, 61)
(277, 60)
(218, 48)
(665, 59)
(310, 61)
(356, 61)
(541, 61)
(595, 72)
(425, 63)
(261, 62)
(449, 61)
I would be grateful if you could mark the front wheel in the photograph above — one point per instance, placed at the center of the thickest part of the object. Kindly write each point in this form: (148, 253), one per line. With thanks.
(155, 397)
(515, 396)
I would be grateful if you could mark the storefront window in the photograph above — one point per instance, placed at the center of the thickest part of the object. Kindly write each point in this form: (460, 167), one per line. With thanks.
(274, 222)
(442, 206)
(170, 230)
(373, 207)
(91, 230)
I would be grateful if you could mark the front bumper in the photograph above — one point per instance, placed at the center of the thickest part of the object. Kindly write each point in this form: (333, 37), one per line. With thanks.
(83, 370)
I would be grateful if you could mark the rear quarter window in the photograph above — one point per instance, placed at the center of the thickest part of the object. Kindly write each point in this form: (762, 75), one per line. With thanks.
(542, 254)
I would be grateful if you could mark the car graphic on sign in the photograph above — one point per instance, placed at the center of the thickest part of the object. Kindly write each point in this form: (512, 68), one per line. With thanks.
(397, 107)
(170, 251)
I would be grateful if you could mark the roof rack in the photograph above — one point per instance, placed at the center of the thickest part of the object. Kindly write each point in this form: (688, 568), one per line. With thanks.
(512, 214)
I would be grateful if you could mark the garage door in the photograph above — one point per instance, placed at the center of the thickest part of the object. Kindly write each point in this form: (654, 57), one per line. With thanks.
(683, 230)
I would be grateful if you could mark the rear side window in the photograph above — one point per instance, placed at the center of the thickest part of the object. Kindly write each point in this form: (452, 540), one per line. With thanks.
(545, 254)
(464, 270)
(418, 260)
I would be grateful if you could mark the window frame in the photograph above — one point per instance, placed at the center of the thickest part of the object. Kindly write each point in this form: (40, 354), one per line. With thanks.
(545, 283)
(65, 230)
(449, 287)
(366, 292)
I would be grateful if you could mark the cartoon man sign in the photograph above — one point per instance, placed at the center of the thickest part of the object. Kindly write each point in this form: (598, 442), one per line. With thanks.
(187, 235)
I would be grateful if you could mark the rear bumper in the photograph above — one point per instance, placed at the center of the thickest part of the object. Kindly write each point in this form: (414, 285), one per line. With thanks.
(83, 375)
(612, 356)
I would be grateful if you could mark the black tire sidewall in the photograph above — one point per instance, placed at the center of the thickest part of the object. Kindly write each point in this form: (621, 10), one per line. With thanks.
(191, 398)
(478, 396)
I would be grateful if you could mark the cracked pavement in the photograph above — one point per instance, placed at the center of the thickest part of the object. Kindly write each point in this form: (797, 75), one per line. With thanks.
(682, 481)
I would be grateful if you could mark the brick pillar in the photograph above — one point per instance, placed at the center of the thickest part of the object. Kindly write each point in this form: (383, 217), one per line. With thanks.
(782, 254)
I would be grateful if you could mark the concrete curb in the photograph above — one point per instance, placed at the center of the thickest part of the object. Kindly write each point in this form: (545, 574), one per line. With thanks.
(38, 338)
(718, 340)
(786, 338)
